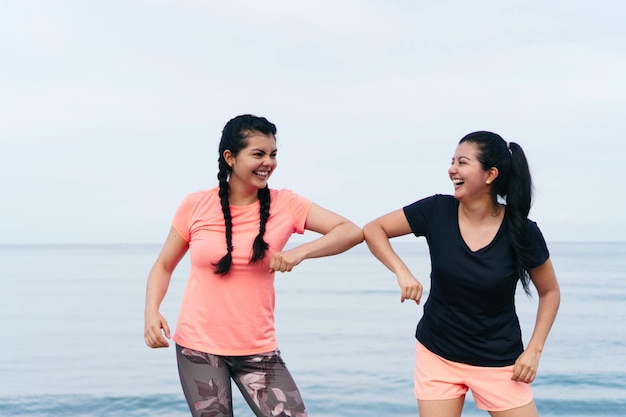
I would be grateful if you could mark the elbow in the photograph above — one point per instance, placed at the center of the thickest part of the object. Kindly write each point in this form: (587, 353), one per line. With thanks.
(356, 235)
(552, 297)
(557, 298)
(369, 230)
(348, 234)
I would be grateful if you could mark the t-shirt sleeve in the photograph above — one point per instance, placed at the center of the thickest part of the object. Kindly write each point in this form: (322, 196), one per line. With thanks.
(182, 219)
(419, 213)
(538, 249)
(299, 207)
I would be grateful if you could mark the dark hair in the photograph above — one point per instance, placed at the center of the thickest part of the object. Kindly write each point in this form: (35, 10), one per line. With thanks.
(513, 183)
(234, 139)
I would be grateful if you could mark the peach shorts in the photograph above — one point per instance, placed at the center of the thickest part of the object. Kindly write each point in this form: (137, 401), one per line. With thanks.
(437, 378)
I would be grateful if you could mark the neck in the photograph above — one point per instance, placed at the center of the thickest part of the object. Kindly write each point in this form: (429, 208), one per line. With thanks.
(242, 197)
(480, 211)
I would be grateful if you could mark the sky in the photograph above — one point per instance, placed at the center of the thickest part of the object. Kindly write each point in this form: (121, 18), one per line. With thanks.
(111, 111)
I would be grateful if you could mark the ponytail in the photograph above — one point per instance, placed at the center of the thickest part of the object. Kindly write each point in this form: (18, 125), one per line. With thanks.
(513, 183)
(518, 203)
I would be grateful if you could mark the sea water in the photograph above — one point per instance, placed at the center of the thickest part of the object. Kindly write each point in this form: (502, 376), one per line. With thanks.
(72, 333)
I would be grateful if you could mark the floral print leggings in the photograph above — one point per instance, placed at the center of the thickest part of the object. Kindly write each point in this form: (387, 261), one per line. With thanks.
(263, 379)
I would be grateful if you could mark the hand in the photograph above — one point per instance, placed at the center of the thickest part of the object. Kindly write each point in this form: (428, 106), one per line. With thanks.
(525, 368)
(155, 327)
(284, 261)
(410, 288)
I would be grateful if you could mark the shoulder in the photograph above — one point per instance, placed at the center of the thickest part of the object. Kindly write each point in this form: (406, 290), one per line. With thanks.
(204, 194)
(430, 212)
(533, 233)
(280, 192)
(445, 199)
(532, 228)
(288, 203)
(537, 247)
(202, 197)
(285, 196)
(435, 201)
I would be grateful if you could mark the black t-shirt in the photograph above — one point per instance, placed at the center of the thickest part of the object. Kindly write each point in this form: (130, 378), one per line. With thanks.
(470, 316)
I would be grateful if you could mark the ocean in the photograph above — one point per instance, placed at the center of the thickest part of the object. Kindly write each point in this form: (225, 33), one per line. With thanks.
(72, 334)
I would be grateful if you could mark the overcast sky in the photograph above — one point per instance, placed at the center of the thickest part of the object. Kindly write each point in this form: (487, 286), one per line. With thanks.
(111, 111)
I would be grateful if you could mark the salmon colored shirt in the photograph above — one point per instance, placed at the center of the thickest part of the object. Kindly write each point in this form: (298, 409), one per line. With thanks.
(233, 314)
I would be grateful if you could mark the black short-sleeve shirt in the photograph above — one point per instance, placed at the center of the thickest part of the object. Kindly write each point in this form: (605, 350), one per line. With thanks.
(470, 316)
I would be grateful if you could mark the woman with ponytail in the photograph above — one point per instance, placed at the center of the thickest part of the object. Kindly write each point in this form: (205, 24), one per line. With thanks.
(235, 234)
(481, 245)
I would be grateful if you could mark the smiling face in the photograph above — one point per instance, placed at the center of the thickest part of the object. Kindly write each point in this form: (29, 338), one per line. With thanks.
(469, 178)
(253, 165)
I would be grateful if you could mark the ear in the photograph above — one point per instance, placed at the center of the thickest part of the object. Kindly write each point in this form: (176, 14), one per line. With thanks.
(492, 174)
(229, 158)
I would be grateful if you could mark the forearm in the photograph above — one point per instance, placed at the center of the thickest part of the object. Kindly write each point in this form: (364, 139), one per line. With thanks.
(341, 238)
(156, 288)
(546, 314)
(377, 240)
(378, 243)
(160, 275)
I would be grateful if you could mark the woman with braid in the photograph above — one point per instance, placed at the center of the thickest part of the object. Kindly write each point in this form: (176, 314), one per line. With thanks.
(235, 234)
(481, 244)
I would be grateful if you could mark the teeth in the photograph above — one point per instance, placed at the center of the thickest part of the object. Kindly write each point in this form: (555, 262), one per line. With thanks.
(457, 181)
(262, 173)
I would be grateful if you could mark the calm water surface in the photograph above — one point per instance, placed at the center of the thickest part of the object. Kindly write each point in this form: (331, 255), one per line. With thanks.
(72, 322)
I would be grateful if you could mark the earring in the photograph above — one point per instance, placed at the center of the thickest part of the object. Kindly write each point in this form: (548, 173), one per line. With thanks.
(487, 182)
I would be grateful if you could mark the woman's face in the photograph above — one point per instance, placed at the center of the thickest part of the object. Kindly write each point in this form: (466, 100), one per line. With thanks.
(466, 173)
(254, 164)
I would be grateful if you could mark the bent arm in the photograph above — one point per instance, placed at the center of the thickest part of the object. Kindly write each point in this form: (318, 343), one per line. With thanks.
(159, 278)
(377, 234)
(338, 235)
(545, 282)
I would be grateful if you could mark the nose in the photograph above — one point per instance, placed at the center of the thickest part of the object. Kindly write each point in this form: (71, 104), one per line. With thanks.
(269, 160)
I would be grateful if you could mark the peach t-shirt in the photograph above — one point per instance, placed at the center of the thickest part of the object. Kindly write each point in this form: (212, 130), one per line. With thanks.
(233, 314)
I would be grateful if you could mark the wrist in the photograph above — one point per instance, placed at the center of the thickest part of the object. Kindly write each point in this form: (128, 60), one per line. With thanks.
(534, 347)
(151, 310)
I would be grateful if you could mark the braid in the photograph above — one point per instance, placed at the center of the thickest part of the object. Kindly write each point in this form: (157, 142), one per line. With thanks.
(234, 139)
(259, 247)
(223, 265)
